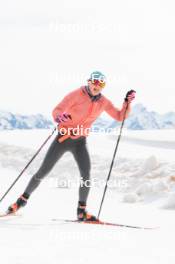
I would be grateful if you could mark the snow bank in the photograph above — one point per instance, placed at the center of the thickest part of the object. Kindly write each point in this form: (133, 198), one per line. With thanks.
(150, 164)
(170, 202)
(140, 173)
(131, 198)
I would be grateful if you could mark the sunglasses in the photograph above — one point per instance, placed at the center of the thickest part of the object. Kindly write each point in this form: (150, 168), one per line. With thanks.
(99, 83)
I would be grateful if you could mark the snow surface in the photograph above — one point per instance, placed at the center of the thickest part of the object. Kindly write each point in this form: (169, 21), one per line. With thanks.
(144, 196)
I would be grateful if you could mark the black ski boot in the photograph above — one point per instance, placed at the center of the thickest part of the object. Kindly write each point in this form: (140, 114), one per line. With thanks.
(83, 215)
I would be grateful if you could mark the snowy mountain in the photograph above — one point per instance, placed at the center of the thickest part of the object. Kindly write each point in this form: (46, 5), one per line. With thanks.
(15, 121)
(141, 119)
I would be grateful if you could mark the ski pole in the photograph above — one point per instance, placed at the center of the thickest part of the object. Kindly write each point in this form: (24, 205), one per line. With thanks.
(112, 163)
(27, 165)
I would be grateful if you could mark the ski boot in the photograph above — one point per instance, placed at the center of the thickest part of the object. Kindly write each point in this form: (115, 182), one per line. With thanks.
(83, 215)
(21, 202)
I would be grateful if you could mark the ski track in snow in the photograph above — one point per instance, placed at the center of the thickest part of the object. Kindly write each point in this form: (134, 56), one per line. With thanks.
(145, 199)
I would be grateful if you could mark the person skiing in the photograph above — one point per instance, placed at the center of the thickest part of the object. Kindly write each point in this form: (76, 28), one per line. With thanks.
(80, 108)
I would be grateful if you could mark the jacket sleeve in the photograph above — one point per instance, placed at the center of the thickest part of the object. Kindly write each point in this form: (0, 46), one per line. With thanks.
(114, 112)
(65, 104)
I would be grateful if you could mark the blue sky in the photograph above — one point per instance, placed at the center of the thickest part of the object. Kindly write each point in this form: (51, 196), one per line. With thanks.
(49, 48)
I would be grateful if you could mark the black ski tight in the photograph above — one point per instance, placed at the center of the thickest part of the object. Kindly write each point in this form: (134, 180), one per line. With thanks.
(79, 150)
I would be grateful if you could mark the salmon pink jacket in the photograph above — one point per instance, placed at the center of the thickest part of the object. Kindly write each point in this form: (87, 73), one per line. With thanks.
(84, 112)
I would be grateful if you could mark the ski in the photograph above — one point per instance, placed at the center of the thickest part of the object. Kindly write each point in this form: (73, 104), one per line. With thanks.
(98, 222)
(6, 215)
(102, 223)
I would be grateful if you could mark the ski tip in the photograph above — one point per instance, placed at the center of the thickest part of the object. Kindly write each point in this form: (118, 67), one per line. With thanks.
(7, 214)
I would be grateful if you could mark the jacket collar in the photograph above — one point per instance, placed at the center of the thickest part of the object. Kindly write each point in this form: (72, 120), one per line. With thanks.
(92, 97)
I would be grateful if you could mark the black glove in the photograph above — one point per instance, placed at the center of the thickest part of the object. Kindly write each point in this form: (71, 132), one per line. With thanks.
(130, 96)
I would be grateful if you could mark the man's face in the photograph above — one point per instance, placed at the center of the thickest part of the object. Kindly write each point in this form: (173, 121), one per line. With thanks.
(95, 89)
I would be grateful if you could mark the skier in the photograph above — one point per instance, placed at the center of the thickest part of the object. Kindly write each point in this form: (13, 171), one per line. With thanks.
(79, 108)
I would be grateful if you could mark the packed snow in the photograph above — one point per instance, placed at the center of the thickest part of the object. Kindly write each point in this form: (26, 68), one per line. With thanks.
(141, 192)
